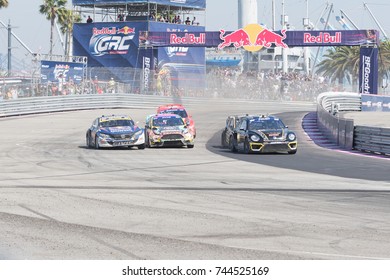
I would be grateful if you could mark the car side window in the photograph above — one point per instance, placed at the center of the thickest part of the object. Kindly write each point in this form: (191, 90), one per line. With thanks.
(230, 123)
(243, 125)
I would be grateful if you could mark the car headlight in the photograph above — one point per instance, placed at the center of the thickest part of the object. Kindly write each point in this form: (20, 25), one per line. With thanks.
(139, 132)
(291, 136)
(104, 136)
(156, 131)
(185, 131)
(255, 138)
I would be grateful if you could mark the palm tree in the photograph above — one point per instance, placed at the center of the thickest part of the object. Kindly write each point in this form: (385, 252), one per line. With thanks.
(67, 19)
(341, 63)
(384, 60)
(3, 4)
(52, 9)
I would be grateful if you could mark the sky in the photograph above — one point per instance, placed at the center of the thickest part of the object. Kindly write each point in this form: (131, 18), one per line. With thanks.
(33, 29)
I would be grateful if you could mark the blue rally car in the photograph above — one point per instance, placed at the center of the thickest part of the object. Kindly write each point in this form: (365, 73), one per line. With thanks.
(115, 131)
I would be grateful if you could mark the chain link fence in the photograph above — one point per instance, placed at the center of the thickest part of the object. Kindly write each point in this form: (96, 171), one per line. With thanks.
(216, 82)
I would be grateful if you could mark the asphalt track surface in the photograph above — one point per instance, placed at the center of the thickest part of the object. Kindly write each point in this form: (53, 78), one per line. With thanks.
(60, 200)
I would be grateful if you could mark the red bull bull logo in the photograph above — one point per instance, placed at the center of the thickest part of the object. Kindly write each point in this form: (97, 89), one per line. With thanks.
(126, 30)
(252, 38)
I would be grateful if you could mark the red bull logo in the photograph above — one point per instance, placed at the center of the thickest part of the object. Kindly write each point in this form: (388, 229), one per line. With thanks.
(112, 30)
(252, 38)
(323, 37)
(188, 39)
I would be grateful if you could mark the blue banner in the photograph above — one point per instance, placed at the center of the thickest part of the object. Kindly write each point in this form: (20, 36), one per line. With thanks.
(114, 45)
(368, 70)
(198, 4)
(61, 72)
(377, 103)
(148, 60)
(108, 44)
(253, 37)
(183, 66)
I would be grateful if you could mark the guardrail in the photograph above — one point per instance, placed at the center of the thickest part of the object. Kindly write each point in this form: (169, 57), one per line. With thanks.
(342, 131)
(372, 139)
(36, 105)
(338, 130)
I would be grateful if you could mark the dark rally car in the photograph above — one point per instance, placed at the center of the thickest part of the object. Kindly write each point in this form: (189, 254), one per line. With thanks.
(262, 134)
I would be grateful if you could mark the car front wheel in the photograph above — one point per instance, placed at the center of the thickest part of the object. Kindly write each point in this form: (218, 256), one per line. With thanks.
(247, 148)
(97, 143)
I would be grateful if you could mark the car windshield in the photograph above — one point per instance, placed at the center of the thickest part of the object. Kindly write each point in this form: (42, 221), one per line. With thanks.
(168, 121)
(111, 123)
(181, 112)
(265, 124)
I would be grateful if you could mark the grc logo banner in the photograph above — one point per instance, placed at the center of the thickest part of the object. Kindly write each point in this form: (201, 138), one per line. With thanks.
(368, 70)
(111, 40)
(59, 71)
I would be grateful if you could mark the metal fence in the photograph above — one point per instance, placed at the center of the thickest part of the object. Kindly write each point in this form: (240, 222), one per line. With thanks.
(216, 82)
(372, 139)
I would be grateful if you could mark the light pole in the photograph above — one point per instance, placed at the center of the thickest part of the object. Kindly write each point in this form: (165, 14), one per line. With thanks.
(306, 25)
(284, 50)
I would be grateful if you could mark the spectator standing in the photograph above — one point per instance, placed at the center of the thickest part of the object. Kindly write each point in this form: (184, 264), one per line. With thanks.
(111, 85)
(193, 21)
(188, 21)
(120, 17)
(89, 19)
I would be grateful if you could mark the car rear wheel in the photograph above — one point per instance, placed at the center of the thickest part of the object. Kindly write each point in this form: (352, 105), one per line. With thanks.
(190, 146)
(232, 147)
(292, 152)
(141, 147)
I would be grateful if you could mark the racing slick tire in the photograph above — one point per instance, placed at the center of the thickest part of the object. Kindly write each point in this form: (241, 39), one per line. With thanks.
(190, 146)
(292, 152)
(88, 140)
(97, 143)
(223, 142)
(232, 147)
(247, 148)
(149, 144)
(141, 147)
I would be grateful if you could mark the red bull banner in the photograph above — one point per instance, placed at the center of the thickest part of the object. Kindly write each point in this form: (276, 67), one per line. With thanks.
(253, 37)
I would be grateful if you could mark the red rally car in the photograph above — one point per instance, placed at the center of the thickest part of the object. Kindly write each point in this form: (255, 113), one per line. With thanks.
(180, 110)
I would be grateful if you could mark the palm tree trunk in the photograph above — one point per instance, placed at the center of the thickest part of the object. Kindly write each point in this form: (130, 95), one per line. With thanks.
(51, 36)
